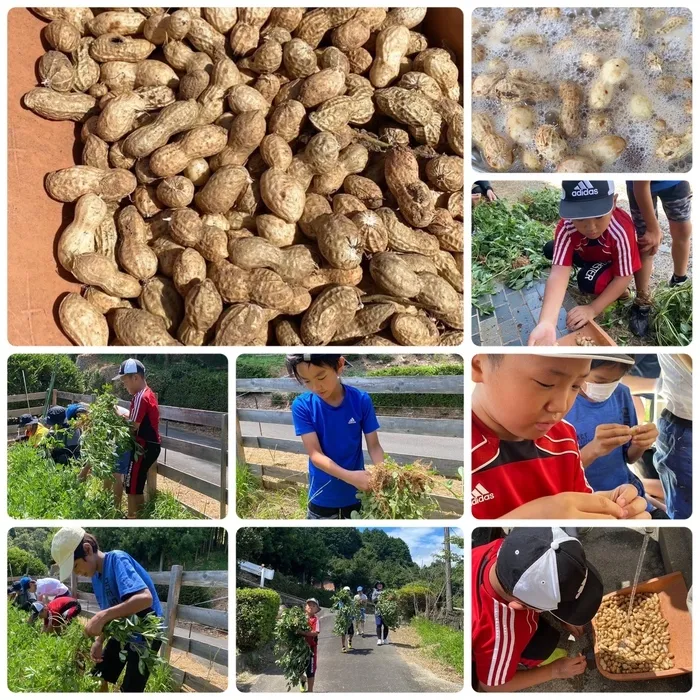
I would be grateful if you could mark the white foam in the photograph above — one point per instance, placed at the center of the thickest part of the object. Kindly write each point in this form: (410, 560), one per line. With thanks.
(555, 66)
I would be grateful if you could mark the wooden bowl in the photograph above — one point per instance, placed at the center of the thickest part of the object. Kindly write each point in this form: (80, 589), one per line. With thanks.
(590, 330)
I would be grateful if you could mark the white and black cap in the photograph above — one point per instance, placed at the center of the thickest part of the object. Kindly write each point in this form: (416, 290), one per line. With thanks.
(606, 357)
(130, 366)
(546, 569)
(586, 199)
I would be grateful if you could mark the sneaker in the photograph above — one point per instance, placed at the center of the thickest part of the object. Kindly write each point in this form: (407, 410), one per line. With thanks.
(675, 280)
(349, 646)
(379, 642)
(386, 641)
(639, 320)
(344, 650)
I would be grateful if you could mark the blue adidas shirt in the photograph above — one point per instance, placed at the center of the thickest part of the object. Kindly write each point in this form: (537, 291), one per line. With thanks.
(339, 430)
(121, 577)
(659, 185)
(610, 471)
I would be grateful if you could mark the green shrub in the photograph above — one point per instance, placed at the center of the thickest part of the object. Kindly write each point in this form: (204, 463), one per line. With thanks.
(411, 595)
(259, 366)
(256, 613)
(288, 584)
(21, 563)
(542, 205)
(188, 386)
(38, 370)
(443, 369)
(418, 400)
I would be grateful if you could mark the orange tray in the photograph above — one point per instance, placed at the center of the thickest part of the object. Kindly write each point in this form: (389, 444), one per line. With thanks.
(673, 594)
(592, 330)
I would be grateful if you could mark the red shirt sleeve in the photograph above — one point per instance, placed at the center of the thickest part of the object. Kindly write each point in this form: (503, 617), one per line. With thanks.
(563, 244)
(626, 260)
(140, 407)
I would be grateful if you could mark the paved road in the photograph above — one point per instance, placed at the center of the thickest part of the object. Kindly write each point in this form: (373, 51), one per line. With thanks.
(366, 669)
(393, 443)
(197, 467)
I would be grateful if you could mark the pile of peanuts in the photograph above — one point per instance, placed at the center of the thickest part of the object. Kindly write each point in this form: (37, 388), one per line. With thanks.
(585, 340)
(257, 176)
(637, 645)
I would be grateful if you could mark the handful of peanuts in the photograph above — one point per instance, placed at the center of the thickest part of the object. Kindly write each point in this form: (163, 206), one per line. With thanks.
(257, 176)
(639, 644)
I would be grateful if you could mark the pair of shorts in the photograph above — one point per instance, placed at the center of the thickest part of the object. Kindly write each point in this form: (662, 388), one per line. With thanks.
(315, 512)
(123, 463)
(313, 664)
(362, 614)
(350, 630)
(135, 479)
(111, 667)
(675, 200)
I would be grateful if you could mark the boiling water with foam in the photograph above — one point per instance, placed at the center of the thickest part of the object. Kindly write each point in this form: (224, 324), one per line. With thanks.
(607, 32)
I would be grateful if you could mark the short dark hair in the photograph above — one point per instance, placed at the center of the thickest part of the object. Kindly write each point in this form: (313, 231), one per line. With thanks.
(87, 539)
(322, 360)
(605, 363)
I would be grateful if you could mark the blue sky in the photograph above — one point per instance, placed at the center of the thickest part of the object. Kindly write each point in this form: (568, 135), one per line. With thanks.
(423, 542)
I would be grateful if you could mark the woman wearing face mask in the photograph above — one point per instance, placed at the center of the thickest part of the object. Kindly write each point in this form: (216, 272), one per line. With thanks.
(609, 436)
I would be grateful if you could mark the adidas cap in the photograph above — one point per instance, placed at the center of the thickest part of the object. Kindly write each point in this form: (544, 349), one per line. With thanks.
(130, 366)
(546, 569)
(586, 199)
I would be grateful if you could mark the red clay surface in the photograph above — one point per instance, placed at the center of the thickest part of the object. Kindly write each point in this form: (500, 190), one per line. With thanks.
(35, 146)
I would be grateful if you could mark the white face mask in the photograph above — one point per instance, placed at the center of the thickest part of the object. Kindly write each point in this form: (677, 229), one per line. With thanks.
(599, 392)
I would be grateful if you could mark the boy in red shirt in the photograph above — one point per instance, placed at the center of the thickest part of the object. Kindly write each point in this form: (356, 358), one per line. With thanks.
(145, 418)
(56, 614)
(514, 579)
(600, 239)
(525, 457)
(312, 609)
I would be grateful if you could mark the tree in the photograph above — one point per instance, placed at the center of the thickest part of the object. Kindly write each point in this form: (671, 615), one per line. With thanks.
(34, 540)
(21, 563)
(342, 542)
(249, 544)
(387, 547)
(38, 370)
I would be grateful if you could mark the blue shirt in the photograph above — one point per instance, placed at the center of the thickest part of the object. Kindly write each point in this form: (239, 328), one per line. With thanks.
(658, 185)
(339, 430)
(121, 577)
(610, 471)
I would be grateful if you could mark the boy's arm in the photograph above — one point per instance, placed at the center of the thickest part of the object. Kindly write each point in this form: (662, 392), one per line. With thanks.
(358, 479)
(375, 450)
(134, 604)
(579, 316)
(650, 241)
(521, 680)
(545, 332)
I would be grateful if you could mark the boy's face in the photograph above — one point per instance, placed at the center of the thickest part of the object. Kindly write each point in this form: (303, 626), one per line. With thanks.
(521, 397)
(32, 587)
(88, 565)
(311, 609)
(594, 228)
(606, 374)
(321, 380)
(133, 383)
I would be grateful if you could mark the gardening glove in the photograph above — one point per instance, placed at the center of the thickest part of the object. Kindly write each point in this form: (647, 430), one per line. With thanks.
(579, 316)
(644, 435)
(544, 333)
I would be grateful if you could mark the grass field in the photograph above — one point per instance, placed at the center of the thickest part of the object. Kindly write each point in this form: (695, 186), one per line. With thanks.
(441, 642)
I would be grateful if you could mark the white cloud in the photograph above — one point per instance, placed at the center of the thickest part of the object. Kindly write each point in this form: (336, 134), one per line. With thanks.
(424, 543)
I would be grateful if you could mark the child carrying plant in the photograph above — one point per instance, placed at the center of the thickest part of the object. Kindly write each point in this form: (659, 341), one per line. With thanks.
(609, 436)
(331, 418)
(361, 602)
(55, 614)
(382, 627)
(345, 619)
(514, 580)
(675, 196)
(312, 609)
(145, 417)
(599, 238)
(525, 457)
(123, 588)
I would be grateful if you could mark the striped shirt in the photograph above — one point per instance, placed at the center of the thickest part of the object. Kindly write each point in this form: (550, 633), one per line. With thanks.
(144, 410)
(617, 244)
(500, 634)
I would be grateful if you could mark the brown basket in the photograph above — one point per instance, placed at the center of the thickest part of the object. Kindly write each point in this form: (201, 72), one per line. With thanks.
(673, 594)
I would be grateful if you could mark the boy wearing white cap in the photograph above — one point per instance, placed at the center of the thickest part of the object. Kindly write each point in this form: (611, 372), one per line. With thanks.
(514, 580)
(525, 458)
(122, 588)
(599, 238)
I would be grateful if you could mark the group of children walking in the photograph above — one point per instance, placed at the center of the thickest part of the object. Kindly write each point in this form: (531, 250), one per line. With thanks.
(61, 431)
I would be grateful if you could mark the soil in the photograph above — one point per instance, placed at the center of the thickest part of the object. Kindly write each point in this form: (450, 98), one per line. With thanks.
(198, 667)
(193, 499)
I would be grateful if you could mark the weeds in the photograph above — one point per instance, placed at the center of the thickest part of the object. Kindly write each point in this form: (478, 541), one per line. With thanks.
(441, 642)
(257, 503)
(542, 205)
(672, 320)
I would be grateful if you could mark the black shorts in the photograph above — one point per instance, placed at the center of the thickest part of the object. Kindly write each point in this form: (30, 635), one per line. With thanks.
(351, 630)
(135, 479)
(111, 667)
(315, 512)
(675, 201)
(592, 277)
(311, 666)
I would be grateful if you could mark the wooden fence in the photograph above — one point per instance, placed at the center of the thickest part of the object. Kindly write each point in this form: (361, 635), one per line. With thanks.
(168, 414)
(214, 650)
(286, 478)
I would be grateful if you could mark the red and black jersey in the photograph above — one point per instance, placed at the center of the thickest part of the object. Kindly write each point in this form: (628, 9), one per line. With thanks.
(506, 474)
(499, 633)
(144, 410)
(315, 627)
(61, 610)
(617, 245)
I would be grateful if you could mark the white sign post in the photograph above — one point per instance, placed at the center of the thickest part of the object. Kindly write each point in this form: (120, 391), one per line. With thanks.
(258, 570)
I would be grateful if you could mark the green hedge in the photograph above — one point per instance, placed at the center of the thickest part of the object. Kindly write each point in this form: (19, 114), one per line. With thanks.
(21, 563)
(438, 370)
(190, 387)
(38, 370)
(256, 613)
(406, 597)
(418, 400)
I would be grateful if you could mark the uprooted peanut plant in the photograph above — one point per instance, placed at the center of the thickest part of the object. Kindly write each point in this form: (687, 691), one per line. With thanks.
(257, 176)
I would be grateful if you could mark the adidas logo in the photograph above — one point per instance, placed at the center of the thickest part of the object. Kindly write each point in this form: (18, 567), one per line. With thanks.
(352, 421)
(480, 494)
(583, 189)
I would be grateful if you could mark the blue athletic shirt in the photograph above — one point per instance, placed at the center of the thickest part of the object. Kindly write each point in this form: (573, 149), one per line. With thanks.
(339, 431)
(610, 471)
(658, 185)
(121, 577)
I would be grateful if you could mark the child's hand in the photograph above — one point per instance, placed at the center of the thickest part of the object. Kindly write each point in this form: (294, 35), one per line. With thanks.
(649, 243)
(579, 316)
(609, 436)
(544, 333)
(627, 497)
(644, 435)
(359, 479)
(576, 630)
(568, 667)
(96, 651)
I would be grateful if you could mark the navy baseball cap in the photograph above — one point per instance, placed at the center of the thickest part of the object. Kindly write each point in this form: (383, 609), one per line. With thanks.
(546, 569)
(56, 415)
(26, 419)
(586, 199)
(130, 366)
